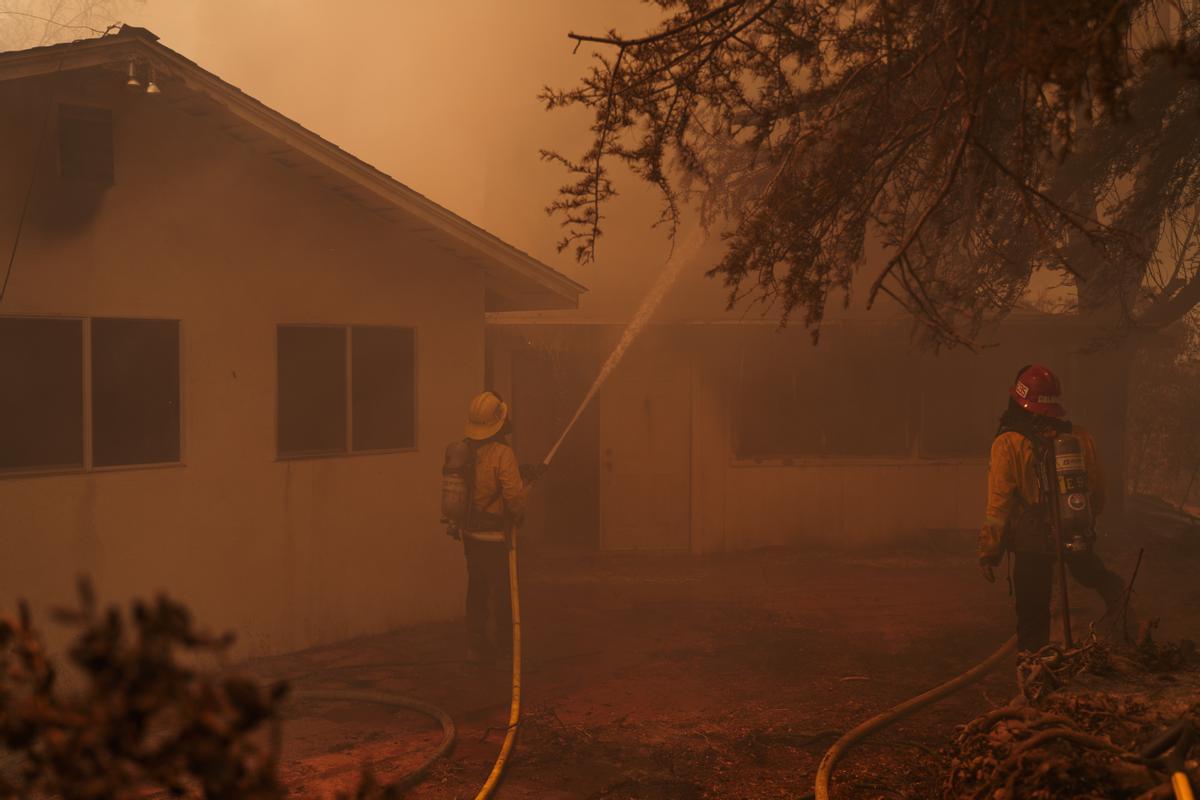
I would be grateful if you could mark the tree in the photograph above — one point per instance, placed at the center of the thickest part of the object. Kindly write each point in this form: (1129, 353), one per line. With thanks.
(153, 712)
(1165, 425)
(30, 23)
(979, 141)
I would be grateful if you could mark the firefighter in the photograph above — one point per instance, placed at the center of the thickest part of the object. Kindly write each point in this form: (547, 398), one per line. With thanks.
(1018, 511)
(497, 506)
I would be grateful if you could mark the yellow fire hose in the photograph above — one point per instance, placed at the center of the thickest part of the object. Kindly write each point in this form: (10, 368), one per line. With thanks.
(514, 714)
(824, 772)
(853, 736)
(448, 729)
(1176, 744)
(644, 312)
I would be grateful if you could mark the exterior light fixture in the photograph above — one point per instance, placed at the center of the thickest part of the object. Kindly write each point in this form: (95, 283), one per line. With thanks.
(132, 82)
(151, 86)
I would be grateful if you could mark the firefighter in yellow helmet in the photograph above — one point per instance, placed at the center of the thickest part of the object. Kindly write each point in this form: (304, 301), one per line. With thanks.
(497, 504)
(1018, 512)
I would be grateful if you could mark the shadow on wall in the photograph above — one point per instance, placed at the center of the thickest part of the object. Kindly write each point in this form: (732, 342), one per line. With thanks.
(76, 168)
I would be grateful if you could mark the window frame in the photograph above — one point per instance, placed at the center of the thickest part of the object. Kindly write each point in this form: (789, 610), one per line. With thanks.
(917, 455)
(349, 451)
(88, 466)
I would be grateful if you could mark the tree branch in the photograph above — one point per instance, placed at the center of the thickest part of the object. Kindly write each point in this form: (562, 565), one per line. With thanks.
(50, 21)
(617, 41)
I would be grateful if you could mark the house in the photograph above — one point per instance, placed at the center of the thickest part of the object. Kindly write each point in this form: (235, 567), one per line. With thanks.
(722, 431)
(230, 353)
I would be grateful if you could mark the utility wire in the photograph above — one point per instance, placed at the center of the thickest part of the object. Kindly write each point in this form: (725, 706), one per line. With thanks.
(37, 161)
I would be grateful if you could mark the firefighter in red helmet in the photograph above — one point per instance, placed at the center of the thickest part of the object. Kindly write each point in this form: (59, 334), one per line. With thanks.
(1019, 516)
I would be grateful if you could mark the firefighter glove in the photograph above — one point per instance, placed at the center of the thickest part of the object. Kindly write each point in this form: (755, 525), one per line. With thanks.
(531, 472)
(991, 542)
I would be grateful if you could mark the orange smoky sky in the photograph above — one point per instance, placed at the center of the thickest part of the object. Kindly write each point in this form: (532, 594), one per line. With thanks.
(441, 95)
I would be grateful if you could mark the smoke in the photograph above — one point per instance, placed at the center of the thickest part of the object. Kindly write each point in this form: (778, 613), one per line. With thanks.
(653, 299)
(444, 97)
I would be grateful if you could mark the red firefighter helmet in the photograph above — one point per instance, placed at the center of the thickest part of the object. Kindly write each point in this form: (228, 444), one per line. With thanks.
(1038, 392)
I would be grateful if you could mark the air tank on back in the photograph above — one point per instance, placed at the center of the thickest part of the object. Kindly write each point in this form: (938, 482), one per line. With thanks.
(456, 466)
(1074, 501)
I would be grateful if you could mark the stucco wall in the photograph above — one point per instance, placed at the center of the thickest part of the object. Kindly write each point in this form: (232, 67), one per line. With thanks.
(201, 229)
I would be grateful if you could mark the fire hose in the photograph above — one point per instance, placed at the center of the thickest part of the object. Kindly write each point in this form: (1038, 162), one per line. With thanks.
(449, 732)
(444, 719)
(1170, 749)
(394, 700)
(514, 713)
(825, 771)
(908, 707)
(1178, 739)
(640, 319)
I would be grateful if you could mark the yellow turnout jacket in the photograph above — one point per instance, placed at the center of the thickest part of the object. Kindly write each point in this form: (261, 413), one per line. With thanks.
(499, 489)
(1013, 494)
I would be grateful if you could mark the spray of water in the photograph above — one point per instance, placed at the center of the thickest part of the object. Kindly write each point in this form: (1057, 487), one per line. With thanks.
(640, 319)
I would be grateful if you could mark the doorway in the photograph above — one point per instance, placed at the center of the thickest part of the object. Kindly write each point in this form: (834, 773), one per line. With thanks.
(645, 428)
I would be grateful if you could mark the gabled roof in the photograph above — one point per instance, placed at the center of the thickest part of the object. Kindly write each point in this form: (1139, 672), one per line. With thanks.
(515, 280)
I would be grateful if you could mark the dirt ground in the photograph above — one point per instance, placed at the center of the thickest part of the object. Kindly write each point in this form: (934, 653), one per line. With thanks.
(676, 678)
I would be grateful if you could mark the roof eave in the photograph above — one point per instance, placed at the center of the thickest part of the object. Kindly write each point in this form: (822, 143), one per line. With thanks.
(553, 289)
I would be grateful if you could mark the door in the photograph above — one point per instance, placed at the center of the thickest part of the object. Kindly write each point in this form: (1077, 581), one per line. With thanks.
(645, 452)
(547, 388)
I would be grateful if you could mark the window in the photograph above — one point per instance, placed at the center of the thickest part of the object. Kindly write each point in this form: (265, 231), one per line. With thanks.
(85, 144)
(963, 397)
(345, 389)
(382, 370)
(965, 393)
(851, 396)
(312, 390)
(41, 393)
(865, 392)
(777, 415)
(133, 393)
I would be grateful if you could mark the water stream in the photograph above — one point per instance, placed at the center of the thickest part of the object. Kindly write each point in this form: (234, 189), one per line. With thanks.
(641, 318)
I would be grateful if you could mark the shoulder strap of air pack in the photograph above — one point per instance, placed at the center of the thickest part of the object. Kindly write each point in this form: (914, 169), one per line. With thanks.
(472, 449)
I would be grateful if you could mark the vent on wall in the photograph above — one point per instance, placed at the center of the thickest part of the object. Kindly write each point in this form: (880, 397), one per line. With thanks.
(85, 144)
